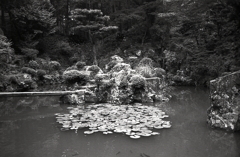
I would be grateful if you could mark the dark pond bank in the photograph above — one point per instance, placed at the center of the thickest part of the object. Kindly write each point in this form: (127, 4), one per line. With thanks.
(32, 131)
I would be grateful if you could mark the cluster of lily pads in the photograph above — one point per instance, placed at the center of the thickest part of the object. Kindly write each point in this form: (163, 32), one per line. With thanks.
(133, 120)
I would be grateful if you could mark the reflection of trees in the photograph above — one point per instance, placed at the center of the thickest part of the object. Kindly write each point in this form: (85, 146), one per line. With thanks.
(15, 105)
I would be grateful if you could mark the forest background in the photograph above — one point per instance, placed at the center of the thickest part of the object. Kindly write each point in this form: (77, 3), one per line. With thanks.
(197, 39)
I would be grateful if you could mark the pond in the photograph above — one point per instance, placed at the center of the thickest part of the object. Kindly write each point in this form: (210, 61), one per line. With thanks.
(28, 128)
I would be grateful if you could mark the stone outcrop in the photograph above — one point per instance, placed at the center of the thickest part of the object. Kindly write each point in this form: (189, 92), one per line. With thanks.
(224, 111)
(124, 85)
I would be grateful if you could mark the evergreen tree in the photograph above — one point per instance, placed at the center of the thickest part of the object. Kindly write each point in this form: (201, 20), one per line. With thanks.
(6, 52)
(92, 25)
(33, 20)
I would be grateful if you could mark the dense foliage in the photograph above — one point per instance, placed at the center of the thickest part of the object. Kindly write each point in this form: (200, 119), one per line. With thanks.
(194, 40)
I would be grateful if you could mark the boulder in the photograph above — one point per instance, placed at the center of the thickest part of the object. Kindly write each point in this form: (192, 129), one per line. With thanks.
(224, 111)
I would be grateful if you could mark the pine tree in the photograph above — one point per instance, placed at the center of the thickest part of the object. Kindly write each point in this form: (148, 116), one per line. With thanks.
(6, 52)
(92, 24)
(35, 18)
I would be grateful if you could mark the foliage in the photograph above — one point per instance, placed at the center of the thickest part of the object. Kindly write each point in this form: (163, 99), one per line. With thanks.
(138, 82)
(121, 66)
(145, 71)
(94, 68)
(73, 76)
(41, 73)
(35, 18)
(55, 65)
(91, 23)
(33, 64)
(30, 71)
(146, 62)
(31, 54)
(80, 65)
(159, 72)
(6, 52)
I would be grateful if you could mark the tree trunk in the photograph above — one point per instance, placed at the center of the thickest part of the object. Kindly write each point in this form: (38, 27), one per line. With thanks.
(3, 16)
(95, 54)
(66, 18)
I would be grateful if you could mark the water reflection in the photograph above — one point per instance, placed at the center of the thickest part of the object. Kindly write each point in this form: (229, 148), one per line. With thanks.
(16, 105)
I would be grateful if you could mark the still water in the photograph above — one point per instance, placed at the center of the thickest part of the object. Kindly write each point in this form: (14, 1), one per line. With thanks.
(28, 129)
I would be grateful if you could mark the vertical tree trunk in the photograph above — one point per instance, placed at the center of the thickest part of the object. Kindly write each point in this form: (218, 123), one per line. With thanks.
(95, 54)
(67, 19)
(3, 16)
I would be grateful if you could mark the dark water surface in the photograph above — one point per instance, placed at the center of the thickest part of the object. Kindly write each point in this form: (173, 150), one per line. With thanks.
(32, 132)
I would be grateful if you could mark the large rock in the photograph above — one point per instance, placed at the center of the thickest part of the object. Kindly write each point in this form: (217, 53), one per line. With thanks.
(225, 102)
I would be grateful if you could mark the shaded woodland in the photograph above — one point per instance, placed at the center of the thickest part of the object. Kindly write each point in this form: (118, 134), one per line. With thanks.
(195, 40)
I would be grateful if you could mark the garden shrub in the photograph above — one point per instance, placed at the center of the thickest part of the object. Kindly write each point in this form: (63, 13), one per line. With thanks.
(133, 61)
(33, 64)
(30, 71)
(145, 71)
(117, 59)
(95, 69)
(80, 65)
(110, 65)
(64, 48)
(146, 62)
(72, 68)
(54, 65)
(41, 73)
(121, 66)
(138, 82)
(13, 79)
(31, 54)
(73, 76)
(159, 72)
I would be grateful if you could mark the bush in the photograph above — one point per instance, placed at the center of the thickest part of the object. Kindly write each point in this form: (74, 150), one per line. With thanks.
(30, 53)
(41, 73)
(110, 65)
(159, 72)
(146, 62)
(29, 71)
(73, 76)
(138, 82)
(117, 59)
(55, 65)
(33, 64)
(72, 68)
(145, 71)
(94, 68)
(80, 65)
(121, 66)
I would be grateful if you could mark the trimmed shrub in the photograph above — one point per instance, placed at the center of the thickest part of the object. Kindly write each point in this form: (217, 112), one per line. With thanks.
(121, 66)
(94, 68)
(159, 72)
(138, 82)
(33, 64)
(146, 62)
(55, 65)
(30, 71)
(41, 73)
(145, 71)
(110, 65)
(117, 59)
(72, 68)
(80, 65)
(73, 76)
(30, 53)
